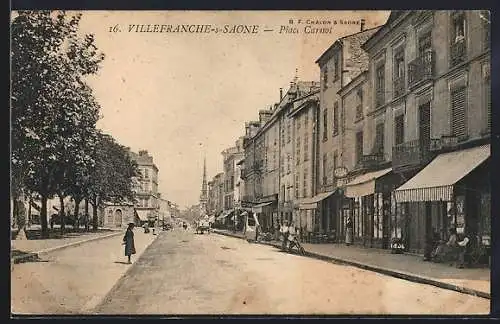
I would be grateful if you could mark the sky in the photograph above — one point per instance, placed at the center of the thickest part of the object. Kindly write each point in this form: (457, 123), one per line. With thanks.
(186, 96)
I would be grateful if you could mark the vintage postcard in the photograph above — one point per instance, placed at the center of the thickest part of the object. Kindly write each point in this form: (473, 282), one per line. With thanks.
(250, 162)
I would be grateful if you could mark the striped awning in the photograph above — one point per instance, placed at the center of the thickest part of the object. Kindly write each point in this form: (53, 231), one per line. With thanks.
(364, 185)
(312, 202)
(436, 181)
(258, 208)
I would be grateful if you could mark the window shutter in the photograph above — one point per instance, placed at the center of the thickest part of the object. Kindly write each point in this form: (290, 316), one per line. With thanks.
(459, 112)
(400, 126)
(379, 138)
(488, 105)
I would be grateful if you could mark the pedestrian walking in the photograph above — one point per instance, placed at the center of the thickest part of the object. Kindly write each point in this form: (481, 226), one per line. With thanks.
(348, 232)
(128, 241)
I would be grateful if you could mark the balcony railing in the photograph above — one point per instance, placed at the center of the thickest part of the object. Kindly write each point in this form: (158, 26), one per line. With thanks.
(399, 86)
(421, 68)
(458, 52)
(413, 153)
(444, 143)
(369, 161)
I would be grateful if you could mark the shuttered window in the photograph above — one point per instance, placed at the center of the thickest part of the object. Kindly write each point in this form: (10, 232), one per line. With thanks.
(325, 124)
(359, 146)
(487, 95)
(335, 118)
(459, 112)
(399, 129)
(379, 138)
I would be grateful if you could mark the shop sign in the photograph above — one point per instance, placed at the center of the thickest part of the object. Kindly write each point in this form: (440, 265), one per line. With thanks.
(340, 172)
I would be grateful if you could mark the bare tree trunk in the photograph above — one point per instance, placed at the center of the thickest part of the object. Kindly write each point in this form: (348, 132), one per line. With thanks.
(62, 213)
(95, 218)
(87, 214)
(77, 209)
(43, 215)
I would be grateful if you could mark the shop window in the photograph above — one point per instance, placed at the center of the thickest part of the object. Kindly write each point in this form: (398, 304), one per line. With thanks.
(485, 222)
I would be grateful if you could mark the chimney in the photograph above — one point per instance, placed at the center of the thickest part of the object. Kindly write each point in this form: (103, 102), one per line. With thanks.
(362, 24)
(281, 93)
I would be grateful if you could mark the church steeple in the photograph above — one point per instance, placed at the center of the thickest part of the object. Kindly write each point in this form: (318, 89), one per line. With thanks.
(204, 194)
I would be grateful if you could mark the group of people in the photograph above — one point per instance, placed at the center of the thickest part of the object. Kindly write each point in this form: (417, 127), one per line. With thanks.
(454, 249)
(288, 232)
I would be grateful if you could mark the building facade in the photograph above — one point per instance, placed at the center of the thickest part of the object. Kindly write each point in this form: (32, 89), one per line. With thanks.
(304, 133)
(147, 206)
(429, 108)
(343, 61)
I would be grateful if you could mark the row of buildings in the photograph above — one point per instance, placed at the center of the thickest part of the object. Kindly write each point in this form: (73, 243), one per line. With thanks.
(149, 207)
(395, 135)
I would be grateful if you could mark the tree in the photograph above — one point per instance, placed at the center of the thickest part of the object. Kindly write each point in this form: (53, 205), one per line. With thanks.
(52, 107)
(112, 178)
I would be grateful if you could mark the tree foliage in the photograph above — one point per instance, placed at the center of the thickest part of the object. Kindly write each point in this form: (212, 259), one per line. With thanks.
(56, 148)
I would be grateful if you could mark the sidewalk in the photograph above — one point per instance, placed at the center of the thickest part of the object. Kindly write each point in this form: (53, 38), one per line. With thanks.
(474, 281)
(72, 280)
(29, 249)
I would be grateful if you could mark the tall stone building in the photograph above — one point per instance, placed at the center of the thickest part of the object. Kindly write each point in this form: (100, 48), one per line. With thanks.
(343, 61)
(147, 189)
(304, 114)
(435, 111)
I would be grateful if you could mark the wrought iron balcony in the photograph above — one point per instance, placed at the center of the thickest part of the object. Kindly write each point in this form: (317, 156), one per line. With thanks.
(421, 68)
(399, 86)
(413, 153)
(458, 52)
(444, 143)
(369, 161)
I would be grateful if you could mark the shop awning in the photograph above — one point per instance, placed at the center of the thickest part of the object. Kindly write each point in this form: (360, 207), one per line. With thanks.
(312, 203)
(364, 184)
(143, 214)
(224, 215)
(435, 182)
(258, 208)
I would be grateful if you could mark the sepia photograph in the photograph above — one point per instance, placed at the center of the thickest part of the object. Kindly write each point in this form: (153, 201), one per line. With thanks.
(279, 162)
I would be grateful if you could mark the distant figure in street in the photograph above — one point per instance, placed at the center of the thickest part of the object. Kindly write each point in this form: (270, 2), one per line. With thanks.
(185, 225)
(128, 241)
(348, 232)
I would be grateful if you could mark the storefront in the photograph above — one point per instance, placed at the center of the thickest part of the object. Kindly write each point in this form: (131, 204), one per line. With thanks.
(451, 191)
(368, 202)
(264, 215)
(317, 214)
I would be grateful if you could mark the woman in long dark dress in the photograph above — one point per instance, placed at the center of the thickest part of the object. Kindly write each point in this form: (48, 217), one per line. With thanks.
(128, 241)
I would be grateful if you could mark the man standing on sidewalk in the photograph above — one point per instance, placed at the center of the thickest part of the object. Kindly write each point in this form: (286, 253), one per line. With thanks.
(284, 230)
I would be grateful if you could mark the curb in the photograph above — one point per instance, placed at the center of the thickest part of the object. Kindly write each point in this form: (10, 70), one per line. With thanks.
(32, 256)
(384, 271)
(94, 310)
